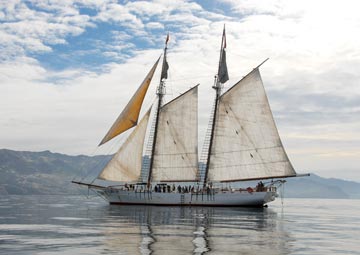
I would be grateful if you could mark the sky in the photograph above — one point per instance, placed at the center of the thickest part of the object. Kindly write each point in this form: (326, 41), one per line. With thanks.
(67, 68)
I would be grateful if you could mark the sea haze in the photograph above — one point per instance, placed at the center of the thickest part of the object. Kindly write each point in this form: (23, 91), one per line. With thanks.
(77, 225)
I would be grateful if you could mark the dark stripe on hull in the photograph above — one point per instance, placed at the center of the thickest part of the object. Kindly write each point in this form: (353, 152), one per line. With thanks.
(189, 205)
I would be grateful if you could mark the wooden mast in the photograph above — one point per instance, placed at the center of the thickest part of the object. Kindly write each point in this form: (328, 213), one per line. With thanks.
(217, 87)
(160, 93)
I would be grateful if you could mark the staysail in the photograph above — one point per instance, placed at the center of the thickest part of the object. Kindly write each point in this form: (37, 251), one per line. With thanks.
(125, 166)
(246, 143)
(175, 155)
(129, 116)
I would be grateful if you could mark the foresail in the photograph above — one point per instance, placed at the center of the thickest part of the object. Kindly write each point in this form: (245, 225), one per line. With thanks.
(175, 155)
(125, 166)
(246, 142)
(129, 116)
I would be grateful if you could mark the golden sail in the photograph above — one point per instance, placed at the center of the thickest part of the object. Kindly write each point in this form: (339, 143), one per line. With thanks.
(128, 118)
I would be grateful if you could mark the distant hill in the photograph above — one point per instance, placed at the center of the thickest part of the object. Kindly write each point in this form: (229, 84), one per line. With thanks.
(315, 186)
(45, 172)
(23, 172)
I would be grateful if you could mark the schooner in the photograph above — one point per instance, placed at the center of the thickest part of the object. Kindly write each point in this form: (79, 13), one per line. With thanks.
(243, 145)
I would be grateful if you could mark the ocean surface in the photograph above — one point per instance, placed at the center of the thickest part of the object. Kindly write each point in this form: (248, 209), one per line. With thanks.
(78, 225)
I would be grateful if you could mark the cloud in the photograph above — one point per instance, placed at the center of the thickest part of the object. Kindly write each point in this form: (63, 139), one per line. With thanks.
(21, 69)
(146, 8)
(30, 27)
(154, 25)
(118, 13)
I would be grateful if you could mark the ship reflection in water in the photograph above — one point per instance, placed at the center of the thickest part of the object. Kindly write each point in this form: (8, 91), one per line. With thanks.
(73, 225)
(194, 230)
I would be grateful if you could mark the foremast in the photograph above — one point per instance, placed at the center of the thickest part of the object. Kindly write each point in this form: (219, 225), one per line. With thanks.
(160, 92)
(220, 78)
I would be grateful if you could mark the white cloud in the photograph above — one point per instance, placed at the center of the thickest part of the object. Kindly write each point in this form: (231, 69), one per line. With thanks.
(21, 69)
(146, 8)
(118, 13)
(34, 30)
(121, 36)
(154, 25)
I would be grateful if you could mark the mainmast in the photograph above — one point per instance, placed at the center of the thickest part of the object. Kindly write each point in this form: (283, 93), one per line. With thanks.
(221, 77)
(160, 93)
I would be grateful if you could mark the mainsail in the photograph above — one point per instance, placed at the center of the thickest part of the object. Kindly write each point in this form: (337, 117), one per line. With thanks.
(129, 116)
(125, 166)
(175, 155)
(246, 143)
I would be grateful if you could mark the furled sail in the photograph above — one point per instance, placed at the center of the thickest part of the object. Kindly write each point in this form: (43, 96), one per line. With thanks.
(129, 116)
(246, 142)
(125, 166)
(175, 155)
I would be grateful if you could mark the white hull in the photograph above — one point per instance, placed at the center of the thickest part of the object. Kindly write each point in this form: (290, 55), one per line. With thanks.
(228, 198)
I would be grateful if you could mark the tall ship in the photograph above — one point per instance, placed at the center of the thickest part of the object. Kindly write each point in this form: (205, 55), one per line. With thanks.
(242, 144)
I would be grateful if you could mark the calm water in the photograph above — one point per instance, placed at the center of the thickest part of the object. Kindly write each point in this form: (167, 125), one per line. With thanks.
(76, 225)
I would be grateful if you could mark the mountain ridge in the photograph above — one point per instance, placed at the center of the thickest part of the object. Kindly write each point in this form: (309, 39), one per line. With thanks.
(45, 172)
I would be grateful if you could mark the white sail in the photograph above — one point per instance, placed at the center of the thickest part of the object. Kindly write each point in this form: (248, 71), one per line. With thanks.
(246, 143)
(175, 155)
(125, 166)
